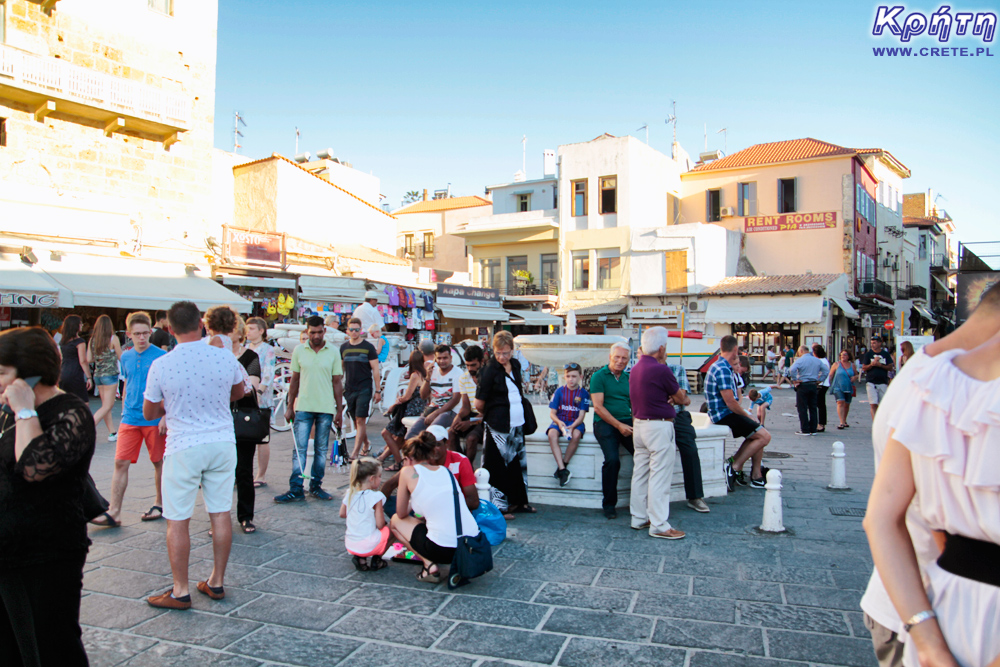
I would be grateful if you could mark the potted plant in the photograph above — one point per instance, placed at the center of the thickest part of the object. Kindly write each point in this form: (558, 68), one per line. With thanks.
(522, 278)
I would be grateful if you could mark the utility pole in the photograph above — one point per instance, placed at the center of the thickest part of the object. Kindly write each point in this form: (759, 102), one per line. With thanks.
(672, 120)
(237, 121)
(645, 127)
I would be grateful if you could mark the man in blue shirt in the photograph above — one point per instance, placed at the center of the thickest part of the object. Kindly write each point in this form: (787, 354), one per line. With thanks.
(134, 428)
(806, 374)
(724, 409)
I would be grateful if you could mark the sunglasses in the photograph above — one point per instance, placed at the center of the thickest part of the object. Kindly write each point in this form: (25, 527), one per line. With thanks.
(571, 367)
(355, 329)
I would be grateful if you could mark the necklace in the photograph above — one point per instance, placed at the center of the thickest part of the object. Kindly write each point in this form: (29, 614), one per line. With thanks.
(5, 428)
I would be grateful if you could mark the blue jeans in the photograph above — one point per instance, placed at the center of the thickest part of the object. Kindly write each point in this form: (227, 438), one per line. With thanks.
(303, 425)
(610, 440)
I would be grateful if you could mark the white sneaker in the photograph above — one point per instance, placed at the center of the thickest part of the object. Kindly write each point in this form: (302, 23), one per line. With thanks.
(113, 437)
(699, 505)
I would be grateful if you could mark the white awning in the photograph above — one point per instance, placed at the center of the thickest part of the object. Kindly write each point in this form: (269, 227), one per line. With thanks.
(765, 310)
(477, 313)
(334, 289)
(534, 318)
(259, 282)
(926, 314)
(23, 286)
(943, 285)
(845, 306)
(603, 307)
(111, 282)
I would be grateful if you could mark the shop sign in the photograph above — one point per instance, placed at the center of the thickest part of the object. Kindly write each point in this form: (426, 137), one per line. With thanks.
(653, 312)
(791, 222)
(260, 248)
(28, 300)
(473, 296)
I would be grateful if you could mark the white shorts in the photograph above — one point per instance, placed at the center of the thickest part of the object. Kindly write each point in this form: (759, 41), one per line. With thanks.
(875, 392)
(212, 466)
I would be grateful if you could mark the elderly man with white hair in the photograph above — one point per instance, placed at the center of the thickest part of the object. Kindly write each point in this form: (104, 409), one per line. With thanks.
(609, 394)
(654, 389)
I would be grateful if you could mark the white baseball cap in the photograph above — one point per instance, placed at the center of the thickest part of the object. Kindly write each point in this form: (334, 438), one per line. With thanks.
(439, 432)
(371, 294)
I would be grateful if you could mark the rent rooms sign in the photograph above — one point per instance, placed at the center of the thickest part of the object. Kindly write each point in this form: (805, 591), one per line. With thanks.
(791, 222)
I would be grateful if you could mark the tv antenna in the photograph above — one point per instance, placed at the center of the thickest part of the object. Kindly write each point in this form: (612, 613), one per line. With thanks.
(297, 135)
(725, 138)
(672, 120)
(645, 126)
(237, 121)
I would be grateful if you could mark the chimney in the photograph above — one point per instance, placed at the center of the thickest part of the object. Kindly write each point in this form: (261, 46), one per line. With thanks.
(425, 194)
(548, 162)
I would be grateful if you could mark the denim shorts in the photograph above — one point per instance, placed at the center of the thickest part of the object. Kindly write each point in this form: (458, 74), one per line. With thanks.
(100, 380)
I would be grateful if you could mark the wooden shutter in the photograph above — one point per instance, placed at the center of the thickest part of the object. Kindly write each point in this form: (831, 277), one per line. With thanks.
(676, 270)
(753, 199)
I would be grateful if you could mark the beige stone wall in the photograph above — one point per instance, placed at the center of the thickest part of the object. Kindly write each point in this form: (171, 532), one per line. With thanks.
(166, 193)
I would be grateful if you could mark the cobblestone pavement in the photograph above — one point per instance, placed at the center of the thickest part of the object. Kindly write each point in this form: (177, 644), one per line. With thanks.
(569, 587)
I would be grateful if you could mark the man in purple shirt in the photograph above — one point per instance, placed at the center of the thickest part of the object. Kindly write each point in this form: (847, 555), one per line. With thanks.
(654, 390)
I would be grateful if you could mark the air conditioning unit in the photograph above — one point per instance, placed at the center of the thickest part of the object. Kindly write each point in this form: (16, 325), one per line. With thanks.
(727, 211)
(694, 306)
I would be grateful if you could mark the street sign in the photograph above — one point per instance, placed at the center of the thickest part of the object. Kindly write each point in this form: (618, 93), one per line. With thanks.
(889, 324)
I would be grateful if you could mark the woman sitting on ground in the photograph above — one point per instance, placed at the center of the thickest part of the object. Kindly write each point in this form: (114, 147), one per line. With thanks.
(411, 405)
(429, 490)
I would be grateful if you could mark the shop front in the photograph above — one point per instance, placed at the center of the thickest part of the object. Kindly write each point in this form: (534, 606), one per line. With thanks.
(404, 309)
(524, 321)
(464, 311)
(604, 316)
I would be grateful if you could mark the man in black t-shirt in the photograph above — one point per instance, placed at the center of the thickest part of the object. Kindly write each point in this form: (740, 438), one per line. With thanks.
(876, 363)
(160, 336)
(361, 376)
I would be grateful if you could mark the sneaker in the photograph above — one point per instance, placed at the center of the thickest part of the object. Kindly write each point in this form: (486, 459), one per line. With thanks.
(610, 513)
(699, 505)
(727, 472)
(564, 476)
(321, 494)
(113, 437)
(168, 601)
(672, 534)
(741, 478)
(758, 483)
(290, 497)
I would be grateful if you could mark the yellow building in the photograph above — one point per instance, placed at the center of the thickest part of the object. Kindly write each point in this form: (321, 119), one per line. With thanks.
(426, 232)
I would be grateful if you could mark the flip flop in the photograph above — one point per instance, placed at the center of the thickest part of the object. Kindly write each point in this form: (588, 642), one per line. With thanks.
(148, 516)
(259, 484)
(108, 523)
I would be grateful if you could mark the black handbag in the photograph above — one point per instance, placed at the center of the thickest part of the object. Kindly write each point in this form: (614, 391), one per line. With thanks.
(252, 424)
(530, 423)
(473, 555)
(92, 502)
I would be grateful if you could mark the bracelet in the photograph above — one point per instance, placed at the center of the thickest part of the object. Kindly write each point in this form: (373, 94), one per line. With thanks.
(918, 618)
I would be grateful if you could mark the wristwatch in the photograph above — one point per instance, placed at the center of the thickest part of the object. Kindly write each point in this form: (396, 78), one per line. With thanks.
(26, 413)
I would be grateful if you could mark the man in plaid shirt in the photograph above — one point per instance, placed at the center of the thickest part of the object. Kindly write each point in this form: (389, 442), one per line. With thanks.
(687, 446)
(724, 409)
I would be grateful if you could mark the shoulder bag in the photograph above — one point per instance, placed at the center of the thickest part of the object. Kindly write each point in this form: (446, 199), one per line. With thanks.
(473, 555)
(252, 424)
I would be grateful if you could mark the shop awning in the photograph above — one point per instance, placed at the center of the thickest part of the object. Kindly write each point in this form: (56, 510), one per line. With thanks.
(926, 314)
(477, 313)
(259, 282)
(334, 289)
(534, 318)
(24, 286)
(110, 282)
(943, 285)
(605, 307)
(845, 306)
(765, 310)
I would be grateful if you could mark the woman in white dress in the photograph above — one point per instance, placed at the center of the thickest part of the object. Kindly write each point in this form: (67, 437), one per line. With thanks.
(944, 455)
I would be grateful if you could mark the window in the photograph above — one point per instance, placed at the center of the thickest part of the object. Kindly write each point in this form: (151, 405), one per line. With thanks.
(491, 272)
(428, 244)
(609, 194)
(3, 128)
(922, 247)
(162, 6)
(550, 270)
(673, 209)
(786, 195)
(677, 263)
(408, 244)
(609, 269)
(3, 22)
(523, 203)
(579, 197)
(515, 265)
(746, 194)
(555, 196)
(581, 269)
(713, 202)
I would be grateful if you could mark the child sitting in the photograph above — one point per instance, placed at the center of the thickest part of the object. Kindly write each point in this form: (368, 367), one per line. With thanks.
(367, 530)
(568, 407)
(762, 399)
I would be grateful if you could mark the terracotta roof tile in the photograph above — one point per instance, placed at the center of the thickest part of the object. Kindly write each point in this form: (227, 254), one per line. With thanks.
(365, 254)
(776, 152)
(449, 204)
(809, 282)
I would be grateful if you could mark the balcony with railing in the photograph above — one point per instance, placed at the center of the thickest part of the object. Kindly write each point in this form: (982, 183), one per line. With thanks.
(50, 85)
(534, 221)
(416, 251)
(940, 261)
(911, 292)
(875, 288)
(522, 288)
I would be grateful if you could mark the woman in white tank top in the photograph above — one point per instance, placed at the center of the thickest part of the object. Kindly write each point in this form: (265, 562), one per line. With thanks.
(429, 490)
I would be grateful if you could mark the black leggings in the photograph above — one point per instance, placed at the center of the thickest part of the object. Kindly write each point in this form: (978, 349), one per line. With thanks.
(821, 405)
(505, 476)
(245, 493)
(40, 615)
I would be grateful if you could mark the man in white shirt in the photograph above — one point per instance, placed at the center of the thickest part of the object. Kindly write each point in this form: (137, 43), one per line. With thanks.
(368, 313)
(194, 386)
(441, 390)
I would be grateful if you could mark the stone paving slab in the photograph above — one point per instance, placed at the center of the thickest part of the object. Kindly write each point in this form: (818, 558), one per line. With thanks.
(569, 587)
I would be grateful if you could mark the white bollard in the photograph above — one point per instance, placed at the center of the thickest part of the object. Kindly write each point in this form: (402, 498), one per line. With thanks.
(772, 522)
(483, 484)
(838, 469)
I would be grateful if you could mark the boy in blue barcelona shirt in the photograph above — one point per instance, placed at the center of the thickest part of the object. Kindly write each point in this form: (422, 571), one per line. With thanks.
(761, 399)
(568, 407)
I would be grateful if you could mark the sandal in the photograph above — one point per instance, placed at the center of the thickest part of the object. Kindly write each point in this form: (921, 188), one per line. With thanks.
(840, 427)
(396, 467)
(524, 509)
(259, 484)
(149, 516)
(248, 527)
(359, 564)
(429, 577)
(109, 521)
(377, 563)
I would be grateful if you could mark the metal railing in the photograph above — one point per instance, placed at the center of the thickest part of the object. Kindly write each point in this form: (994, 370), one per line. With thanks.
(940, 260)
(91, 88)
(416, 251)
(520, 288)
(911, 292)
(874, 287)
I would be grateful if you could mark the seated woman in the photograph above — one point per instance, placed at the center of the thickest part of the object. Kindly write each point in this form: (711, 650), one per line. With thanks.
(429, 490)
(408, 405)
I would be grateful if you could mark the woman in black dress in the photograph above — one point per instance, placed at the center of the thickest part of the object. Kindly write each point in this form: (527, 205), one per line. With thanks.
(74, 377)
(245, 492)
(46, 443)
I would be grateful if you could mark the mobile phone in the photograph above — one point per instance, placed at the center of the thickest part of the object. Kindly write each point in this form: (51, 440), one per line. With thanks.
(32, 381)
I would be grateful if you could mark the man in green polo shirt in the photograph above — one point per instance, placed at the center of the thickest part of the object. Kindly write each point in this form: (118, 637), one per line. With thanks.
(315, 396)
(612, 420)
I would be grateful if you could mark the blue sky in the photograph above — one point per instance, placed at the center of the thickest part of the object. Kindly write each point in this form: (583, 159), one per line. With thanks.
(426, 94)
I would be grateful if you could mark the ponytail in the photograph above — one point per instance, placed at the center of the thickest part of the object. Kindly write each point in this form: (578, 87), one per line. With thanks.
(361, 470)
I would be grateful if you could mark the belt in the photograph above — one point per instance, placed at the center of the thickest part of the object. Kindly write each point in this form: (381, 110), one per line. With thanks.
(972, 559)
(655, 419)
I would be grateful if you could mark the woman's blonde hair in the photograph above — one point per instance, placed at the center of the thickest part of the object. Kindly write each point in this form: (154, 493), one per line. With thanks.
(241, 328)
(503, 339)
(100, 339)
(361, 471)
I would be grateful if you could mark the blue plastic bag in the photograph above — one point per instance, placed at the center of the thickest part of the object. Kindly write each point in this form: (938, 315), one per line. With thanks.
(491, 522)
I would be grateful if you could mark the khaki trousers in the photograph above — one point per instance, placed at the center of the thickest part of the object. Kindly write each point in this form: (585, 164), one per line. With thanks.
(888, 648)
(652, 473)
